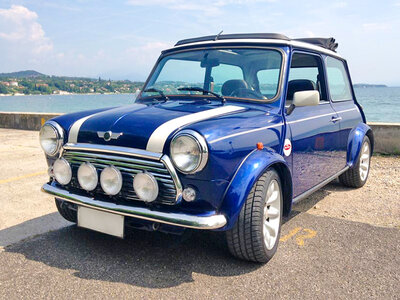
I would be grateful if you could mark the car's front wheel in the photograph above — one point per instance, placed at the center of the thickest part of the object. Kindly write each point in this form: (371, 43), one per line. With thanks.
(255, 236)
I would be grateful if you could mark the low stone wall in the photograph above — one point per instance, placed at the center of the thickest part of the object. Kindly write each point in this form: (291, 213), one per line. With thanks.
(24, 120)
(387, 135)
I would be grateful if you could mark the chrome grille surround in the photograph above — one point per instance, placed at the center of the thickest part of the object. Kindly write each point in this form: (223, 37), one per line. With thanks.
(130, 162)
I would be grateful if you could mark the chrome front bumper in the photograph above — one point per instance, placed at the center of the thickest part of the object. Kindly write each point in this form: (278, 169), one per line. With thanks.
(213, 221)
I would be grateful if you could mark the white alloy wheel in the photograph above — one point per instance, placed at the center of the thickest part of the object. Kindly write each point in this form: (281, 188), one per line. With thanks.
(255, 234)
(272, 214)
(364, 161)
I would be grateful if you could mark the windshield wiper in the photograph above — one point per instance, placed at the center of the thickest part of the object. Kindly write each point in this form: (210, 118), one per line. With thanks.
(154, 90)
(198, 89)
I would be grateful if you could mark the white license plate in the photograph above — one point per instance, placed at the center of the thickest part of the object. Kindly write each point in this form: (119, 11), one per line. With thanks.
(101, 221)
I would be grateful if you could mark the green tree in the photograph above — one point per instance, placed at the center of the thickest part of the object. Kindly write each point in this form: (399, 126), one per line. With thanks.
(3, 89)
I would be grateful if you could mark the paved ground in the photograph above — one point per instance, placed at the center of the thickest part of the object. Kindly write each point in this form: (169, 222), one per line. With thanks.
(339, 243)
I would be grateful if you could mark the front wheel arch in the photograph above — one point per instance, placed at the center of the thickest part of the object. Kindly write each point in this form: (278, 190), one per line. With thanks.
(251, 169)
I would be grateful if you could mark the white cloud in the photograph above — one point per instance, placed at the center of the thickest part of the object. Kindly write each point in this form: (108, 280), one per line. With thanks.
(376, 26)
(19, 28)
(206, 6)
(340, 4)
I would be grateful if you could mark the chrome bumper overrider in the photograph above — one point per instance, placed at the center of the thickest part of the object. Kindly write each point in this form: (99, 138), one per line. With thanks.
(178, 219)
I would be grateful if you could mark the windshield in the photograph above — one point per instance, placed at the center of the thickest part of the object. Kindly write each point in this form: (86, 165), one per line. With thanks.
(242, 73)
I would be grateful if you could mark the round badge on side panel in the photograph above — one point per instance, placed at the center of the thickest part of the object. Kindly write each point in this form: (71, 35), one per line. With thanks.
(287, 147)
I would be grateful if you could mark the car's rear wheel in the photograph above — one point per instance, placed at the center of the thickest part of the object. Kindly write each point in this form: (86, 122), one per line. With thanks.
(67, 210)
(357, 176)
(255, 236)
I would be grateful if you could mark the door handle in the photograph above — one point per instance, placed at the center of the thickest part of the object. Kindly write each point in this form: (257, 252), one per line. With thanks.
(336, 119)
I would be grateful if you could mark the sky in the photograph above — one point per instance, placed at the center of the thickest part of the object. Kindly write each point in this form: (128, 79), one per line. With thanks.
(122, 39)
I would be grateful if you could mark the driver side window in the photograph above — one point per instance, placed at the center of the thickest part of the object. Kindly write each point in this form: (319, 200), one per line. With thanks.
(306, 74)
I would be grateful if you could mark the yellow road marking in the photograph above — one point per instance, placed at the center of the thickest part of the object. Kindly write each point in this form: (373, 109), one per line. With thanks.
(300, 238)
(22, 177)
(291, 233)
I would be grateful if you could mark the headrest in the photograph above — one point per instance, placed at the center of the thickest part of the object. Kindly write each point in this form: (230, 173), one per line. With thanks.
(299, 85)
(231, 85)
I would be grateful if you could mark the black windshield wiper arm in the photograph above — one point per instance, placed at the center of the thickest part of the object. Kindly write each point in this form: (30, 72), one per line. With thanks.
(154, 90)
(198, 89)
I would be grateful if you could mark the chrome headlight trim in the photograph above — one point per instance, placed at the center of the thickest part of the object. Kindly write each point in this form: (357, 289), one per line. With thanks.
(203, 149)
(59, 137)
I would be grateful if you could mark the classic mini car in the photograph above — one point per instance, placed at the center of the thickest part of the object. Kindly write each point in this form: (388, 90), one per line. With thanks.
(228, 132)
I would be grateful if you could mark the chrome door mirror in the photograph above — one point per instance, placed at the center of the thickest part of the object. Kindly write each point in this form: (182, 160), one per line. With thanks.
(303, 98)
(306, 98)
(136, 94)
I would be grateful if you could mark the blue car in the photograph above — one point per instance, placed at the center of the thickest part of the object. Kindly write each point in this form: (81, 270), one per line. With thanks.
(227, 133)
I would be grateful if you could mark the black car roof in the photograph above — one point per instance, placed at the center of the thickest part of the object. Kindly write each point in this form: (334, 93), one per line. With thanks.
(327, 43)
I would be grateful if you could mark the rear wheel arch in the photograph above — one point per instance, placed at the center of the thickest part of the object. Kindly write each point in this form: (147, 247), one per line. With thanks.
(370, 135)
(355, 141)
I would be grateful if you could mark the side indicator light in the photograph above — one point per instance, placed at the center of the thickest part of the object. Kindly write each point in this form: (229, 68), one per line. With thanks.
(260, 146)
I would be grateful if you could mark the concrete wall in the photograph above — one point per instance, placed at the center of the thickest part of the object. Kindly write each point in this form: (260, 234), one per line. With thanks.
(387, 135)
(24, 120)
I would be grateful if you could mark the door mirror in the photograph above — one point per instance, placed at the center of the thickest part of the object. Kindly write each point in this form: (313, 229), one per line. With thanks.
(136, 94)
(306, 98)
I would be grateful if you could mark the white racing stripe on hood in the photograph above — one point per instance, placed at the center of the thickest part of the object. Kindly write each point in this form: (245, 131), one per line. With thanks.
(74, 131)
(160, 135)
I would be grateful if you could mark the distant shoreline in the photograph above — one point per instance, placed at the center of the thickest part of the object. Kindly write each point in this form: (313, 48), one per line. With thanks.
(64, 94)
(357, 86)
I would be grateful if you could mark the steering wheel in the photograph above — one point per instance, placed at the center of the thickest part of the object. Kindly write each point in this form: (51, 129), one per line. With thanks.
(247, 93)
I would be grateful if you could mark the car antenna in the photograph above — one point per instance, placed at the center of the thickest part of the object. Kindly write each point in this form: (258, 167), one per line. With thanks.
(217, 36)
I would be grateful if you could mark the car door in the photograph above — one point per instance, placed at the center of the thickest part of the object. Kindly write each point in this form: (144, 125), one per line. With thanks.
(314, 129)
(342, 99)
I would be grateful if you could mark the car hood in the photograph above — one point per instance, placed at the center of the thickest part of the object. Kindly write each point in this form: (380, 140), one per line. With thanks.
(144, 126)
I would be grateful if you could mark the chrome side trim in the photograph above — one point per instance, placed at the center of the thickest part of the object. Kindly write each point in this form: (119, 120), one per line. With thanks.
(245, 132)
(320, 116)
(114, 150)
(318, 186)
(213, 221)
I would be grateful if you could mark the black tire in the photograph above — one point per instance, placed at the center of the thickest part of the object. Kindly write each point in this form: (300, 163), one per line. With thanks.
(246, 238)
(67, 210)
(352, 177)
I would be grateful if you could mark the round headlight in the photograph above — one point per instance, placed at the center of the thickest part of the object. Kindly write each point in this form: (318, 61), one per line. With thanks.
(111, 180)
(189, 151)
(62, 171)
(87, 176)
(145, 186)
(51, 138)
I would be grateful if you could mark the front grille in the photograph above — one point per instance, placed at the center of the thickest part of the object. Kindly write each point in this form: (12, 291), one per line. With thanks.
(128, 165)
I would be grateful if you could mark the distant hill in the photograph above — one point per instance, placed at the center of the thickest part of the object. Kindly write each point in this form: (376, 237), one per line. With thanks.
(22, 74)
(366, 85)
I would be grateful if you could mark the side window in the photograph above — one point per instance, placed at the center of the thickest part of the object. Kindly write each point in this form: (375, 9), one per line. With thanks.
(223, 73)
(306, 73)
(338, 81)
(268, 81)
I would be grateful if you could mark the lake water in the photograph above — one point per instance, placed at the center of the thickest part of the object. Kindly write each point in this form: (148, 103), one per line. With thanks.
(380, 104)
